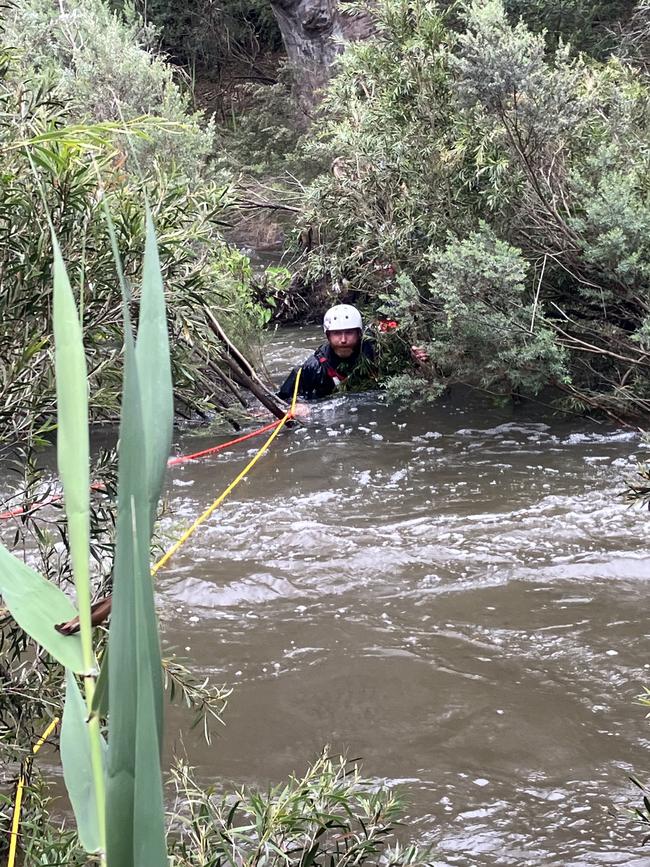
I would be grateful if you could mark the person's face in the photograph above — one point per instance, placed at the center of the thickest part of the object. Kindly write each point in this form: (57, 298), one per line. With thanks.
(344, 343)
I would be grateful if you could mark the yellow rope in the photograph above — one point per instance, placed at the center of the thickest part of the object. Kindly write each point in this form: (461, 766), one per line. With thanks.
(22, 779)
(204, 517)
(48, 731)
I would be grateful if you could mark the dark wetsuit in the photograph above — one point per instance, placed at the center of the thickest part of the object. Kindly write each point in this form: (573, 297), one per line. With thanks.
(323, 371)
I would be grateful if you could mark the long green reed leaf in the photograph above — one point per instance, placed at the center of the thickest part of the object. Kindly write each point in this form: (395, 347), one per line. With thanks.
(97, 136)
(156, 395)
(134, 676)
(73, 460)
(149, 843)
(36, 605)
(154, 369)
(135, 816)
(76, 757)
(73, 450)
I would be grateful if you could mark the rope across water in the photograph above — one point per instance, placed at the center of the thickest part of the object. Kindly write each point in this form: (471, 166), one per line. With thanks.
(172, 462)
(216, 503)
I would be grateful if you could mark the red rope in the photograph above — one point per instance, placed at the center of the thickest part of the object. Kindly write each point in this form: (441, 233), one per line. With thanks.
(172, 462)
(22, 510)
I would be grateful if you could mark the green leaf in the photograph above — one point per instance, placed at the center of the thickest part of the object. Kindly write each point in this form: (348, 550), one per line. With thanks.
(136, 826)
(154, 370)
(134, 683)
(37, 605)
(149, 844)
(73, 450)
(77, 765)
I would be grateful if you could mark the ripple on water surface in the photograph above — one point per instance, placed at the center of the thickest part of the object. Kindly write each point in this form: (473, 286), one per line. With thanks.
(456, 595)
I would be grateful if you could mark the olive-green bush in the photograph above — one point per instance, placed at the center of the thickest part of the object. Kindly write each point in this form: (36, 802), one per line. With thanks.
(104, 66)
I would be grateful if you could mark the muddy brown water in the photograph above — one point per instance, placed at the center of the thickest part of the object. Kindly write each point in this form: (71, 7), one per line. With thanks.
(456, 594)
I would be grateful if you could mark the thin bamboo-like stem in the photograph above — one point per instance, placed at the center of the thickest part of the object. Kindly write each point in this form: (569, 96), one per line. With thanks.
(94, 736)
(82, 583)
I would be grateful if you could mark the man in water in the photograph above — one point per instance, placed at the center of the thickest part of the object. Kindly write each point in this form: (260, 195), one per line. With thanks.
(348, 356)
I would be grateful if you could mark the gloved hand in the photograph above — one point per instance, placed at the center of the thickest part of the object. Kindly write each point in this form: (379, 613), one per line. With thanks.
(419, 355)
(301, 410)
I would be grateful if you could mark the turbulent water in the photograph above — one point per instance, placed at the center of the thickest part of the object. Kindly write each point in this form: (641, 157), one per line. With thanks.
(456, 594)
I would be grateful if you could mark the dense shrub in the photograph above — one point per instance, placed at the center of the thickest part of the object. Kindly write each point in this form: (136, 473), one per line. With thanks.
(261, 139)
(212, 35)
(589, 25)
(48, 172)
(104, 67)
(508, 187)
(331, 816)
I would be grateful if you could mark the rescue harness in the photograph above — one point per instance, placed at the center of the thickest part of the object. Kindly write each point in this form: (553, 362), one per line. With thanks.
(333, 374)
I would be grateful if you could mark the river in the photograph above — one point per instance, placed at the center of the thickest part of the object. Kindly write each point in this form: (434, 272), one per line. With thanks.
(456, 594)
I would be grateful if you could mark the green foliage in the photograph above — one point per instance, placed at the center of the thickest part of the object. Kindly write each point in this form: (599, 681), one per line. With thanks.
(76, 758)
(35, 604)
(331, 816)
(389, 134)
(30, 683)
(61, 165)
(211, 35)
(412, 388)
(263, 134)
(612, 182)
(492, 195)
(134, 800)
(46, 841)
(73, 66)
(633, 44)
(589, 25)
(485, 324)
(73, 448)
(128, 819)
(104, 68)
(70, 182)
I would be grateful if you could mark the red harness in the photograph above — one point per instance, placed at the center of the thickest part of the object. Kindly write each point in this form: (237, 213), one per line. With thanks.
(338, 378)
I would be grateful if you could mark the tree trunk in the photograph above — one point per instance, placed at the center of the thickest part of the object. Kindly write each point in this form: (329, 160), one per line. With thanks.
(314, 33)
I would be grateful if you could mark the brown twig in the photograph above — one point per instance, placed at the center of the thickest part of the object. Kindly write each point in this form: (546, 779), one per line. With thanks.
(242, 370)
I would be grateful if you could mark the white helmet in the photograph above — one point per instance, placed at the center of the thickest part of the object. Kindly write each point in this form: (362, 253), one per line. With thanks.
(341, 317)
